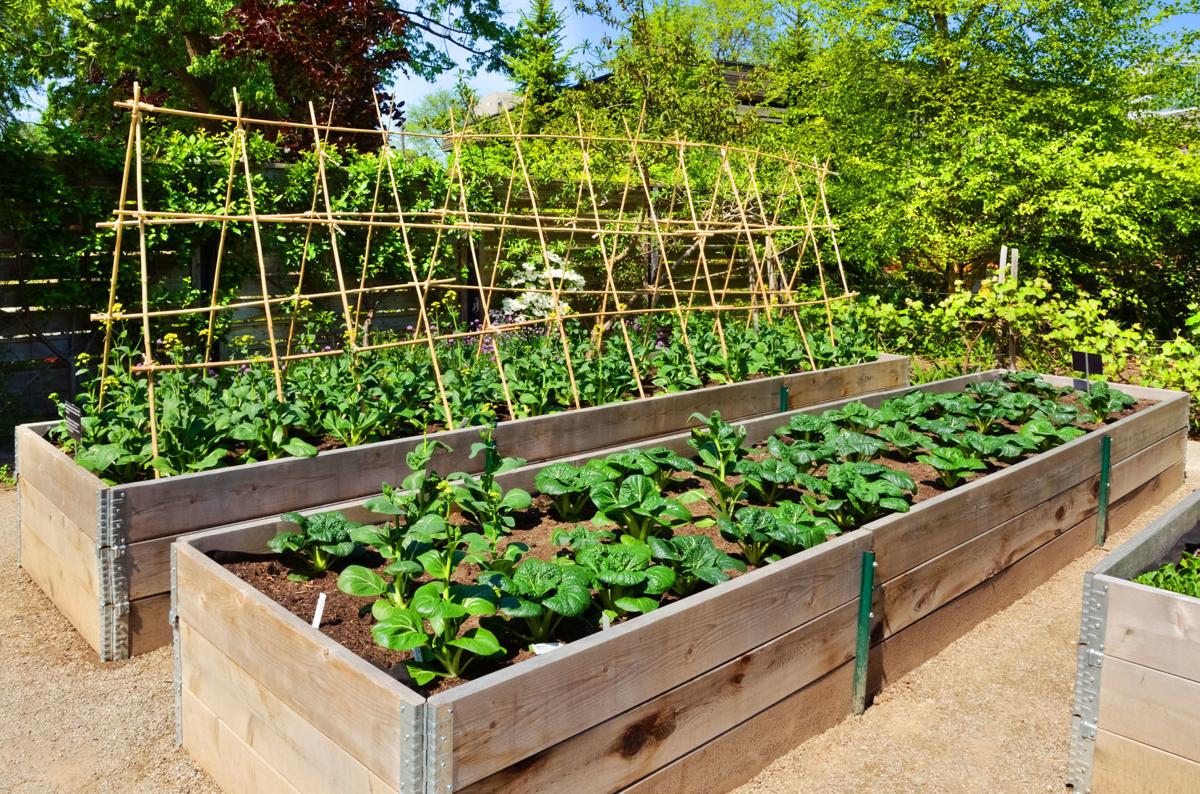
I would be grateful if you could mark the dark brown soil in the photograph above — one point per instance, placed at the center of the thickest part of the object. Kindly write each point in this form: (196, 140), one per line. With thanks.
(347, 619)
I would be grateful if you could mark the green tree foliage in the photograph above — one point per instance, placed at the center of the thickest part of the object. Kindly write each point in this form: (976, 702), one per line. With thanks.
(280, 54)
(539, 66)
(956, 128)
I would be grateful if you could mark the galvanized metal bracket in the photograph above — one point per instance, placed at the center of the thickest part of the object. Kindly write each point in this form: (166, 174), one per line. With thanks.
(176, 650)
(114, 579)
(439, 748)
(17, 474)
(412, 748)
(1089, 663)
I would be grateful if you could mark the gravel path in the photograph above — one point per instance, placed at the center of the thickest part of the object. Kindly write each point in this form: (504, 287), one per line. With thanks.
(68, 723)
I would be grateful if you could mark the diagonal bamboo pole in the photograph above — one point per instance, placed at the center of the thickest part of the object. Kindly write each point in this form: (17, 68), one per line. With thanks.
(421, 289)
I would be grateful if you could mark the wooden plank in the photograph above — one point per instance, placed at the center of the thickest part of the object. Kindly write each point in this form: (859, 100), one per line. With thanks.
(1151, 627)
(598, 677)
(1123, 766)
(1151, 707)
(175, 505)
(544, 437)
(148, 566)
(61, 560)
(918, 592)
(232, 764)
(149, 623)
(907, 649)
(739, 754)
(283, 652)
(905, 540)
(283, 739)
(72, 489)
(1152, 546)
(637, 742)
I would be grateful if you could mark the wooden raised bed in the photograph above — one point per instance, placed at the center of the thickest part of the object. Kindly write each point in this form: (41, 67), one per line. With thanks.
(1136, 723)
(102, 554)
(697, 696)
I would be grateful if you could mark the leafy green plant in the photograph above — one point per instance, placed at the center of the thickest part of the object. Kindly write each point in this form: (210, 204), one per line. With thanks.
(849, 445)
(719, 447)
(1178, 577)
(317, 541)
(570, 486)
(804, 456)
(624, 576)
(905, 441)
(1105, 400)
(481, 497)
(767, 479)
(952, 464)
(658, 463)
(431, 627)
(859, 492)
(752, 529)
(638, 507)
(1045, 435)
(805, 427)
(695, 560)
(854, 416)
(539, 595)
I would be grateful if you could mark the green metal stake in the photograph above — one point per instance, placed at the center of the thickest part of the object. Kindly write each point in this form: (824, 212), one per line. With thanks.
(1102, 498)
(783, 399)
(862, 649)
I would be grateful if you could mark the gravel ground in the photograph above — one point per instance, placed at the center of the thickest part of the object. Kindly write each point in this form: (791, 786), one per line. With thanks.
(68, 723)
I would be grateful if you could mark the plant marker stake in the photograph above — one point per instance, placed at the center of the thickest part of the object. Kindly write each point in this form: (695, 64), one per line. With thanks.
(783, 399)
(862, 649)
(1102, 497)
(316, 621)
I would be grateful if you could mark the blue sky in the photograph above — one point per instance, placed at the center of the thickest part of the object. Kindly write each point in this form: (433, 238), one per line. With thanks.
(578, 30)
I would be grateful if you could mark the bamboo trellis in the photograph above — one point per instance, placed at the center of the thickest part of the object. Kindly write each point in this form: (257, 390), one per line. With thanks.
(726, 231)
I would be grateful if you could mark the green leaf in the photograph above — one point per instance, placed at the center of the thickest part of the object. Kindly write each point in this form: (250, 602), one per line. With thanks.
(357, 580)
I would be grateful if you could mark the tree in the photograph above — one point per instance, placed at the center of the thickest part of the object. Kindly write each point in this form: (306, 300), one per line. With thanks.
(538, 65)
(279, 53)
(956, 128)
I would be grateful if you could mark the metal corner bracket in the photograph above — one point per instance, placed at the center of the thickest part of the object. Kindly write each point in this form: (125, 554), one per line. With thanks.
(114, 579)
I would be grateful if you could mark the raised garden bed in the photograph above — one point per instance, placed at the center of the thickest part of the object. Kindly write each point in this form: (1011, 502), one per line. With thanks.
(101, 552)
(694, 696)
(1137, 685)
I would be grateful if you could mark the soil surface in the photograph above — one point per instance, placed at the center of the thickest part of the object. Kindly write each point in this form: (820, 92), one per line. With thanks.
(70, 724)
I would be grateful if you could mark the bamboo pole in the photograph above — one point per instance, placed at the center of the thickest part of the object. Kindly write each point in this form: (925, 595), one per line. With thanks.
(351, 329)
(557, 314)
(216, 285)
(116, 263)
(608, 268)
(148, 351)
(258, 249)
(420, 291)
(486, 322)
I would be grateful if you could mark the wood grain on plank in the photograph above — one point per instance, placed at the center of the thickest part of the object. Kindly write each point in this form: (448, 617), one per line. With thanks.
(1152, 627)
(149, 623)
(232, 764)
(71, 488)
(917, 592)
(1123, 766)
(598, 677)
(635, 743)
(905, 540)
(739, 754)
(1151, 707)
(910, 647)
(283, 739)
(61, 560)
(312, 674)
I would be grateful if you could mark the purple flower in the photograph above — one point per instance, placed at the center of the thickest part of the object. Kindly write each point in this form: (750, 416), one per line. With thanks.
(326, 349)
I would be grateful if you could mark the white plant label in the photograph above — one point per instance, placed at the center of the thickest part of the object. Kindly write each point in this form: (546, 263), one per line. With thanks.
(316, 621)
(544, 647)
